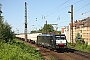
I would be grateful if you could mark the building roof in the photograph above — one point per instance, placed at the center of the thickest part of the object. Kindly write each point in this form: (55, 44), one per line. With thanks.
(63, 30)
(83, 23)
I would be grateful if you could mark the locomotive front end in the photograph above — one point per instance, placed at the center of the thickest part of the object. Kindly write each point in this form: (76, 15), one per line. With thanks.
(61, 41)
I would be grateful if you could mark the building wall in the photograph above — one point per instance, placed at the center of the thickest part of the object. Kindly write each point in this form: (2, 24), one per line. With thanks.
(74, 34)
(62, 30)
(84, 32)
(67, 33)
(79, 27)
(88, 35)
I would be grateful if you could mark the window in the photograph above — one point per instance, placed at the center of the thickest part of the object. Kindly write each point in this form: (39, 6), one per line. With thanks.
(80, 31)
(60, 37)
(81, 35)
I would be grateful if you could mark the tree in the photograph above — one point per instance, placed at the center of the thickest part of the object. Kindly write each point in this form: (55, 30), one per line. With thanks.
(33, 31)
(5, 31)
(49, 28)
(58, 32)
(79, 39)
(1, 26)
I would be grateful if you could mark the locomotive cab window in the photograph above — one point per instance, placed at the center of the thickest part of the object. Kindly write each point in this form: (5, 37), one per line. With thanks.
(63, 37)
(60, 37)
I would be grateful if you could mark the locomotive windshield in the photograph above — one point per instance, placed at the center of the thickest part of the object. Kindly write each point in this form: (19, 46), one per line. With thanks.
(60, 37)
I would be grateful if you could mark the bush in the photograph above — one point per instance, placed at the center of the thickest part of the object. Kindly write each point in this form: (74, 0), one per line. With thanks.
(18, 51)
(5, 31)
(79, 39)
(88, 49)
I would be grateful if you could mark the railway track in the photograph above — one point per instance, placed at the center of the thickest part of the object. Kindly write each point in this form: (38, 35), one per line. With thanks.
(68, 54)
(84, 54)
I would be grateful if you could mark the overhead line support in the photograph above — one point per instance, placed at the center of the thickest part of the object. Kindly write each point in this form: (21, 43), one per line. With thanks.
(25, 22)
(71, 26)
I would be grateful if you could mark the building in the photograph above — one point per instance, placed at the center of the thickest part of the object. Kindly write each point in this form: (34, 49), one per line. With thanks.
(66, 31)
(79, 26)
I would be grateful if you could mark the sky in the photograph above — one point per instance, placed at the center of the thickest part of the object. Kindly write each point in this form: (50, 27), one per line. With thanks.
(54, 11)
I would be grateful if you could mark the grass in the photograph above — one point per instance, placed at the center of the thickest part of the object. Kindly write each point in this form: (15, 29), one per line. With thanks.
(51, 57)
(81, 47)
(18, 50)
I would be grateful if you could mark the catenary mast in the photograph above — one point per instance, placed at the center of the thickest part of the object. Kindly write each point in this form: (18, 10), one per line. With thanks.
(25, 22)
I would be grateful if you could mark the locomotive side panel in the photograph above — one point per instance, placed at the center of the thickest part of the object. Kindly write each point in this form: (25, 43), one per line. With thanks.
(46, 40)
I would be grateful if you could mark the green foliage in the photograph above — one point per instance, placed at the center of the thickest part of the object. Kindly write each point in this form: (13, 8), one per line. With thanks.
(18, 50)
(68, 44)
(52, 58)
(34, 31)
(5, 31)
(50, 29)
(88, 49)
(58, 32)
(47, 27)
(83, 47)
(79, 39)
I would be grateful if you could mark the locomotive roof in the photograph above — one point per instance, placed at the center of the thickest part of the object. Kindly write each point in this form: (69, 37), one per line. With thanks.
(51, 35)
(46, 35)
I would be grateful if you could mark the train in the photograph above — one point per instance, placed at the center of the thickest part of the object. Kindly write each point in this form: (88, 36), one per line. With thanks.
(52, 41)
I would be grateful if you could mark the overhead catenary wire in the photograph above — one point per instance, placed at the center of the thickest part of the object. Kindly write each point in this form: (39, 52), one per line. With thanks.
(64, 22)
(69, 21)
(82, 7)
(84, 13)
(58, 6)
(43, 16)
(64, 8)
(76, 11)
(67, 7)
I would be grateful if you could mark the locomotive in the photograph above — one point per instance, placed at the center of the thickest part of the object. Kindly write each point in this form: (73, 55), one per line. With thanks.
(52, 41)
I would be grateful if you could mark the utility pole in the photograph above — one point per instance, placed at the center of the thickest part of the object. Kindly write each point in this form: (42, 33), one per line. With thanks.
(25, 22)
(36, 24)
(43, 17)
(46, 26)
(71, 26)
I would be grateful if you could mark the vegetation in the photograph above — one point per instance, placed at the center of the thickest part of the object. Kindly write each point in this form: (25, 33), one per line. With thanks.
(79, 39)
(12, 49)
(51, 57)
(6, 33)
(82, 47)
(48, 27)
(35, 31)
(80, 44)
(18, 50)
